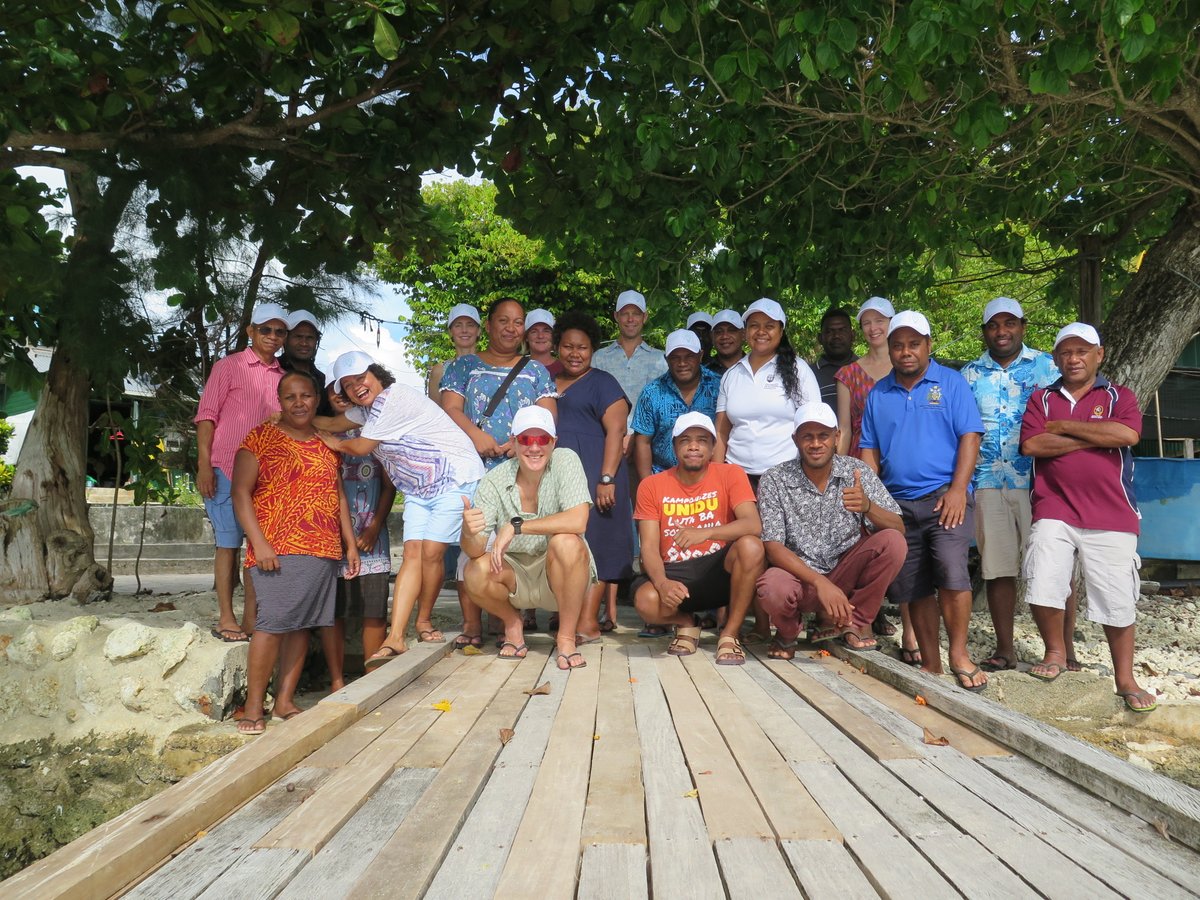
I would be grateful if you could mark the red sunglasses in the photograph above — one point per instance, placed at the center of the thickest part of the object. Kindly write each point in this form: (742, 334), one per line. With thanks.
(534, 440)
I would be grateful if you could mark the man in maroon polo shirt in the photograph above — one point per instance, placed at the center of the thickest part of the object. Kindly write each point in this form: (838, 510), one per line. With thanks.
(1079, 431)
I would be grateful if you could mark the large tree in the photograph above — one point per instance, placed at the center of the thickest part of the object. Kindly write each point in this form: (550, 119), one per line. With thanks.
(821, 149)
(304, 127)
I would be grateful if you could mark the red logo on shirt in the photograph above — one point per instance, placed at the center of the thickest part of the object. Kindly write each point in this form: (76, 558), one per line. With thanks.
(1098, 411)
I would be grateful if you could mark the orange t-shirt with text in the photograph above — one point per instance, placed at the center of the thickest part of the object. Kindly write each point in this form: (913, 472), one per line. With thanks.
(709, 503)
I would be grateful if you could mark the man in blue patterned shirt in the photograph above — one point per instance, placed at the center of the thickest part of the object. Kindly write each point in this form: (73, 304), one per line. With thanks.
(1002, 380)
(686, 387)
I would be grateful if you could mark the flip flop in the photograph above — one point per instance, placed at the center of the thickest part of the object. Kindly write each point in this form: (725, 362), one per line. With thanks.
(1128, 696)
(784, 650)
(911, 657)
(654, 631)
(220, 635)
(997, 662)
(824, 633)
(863, 643)
(519, 650)
(567, 657)
(963, 675)
(424, 640)
(1046, 676)
(581, 639)
(882, 626)
(261, 721)
(375, 660)
(292, 714)
(1073, 665)
(468, 640)
(607, 625)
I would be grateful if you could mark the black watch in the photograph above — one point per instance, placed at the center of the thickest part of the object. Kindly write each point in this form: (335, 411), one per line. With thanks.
(516, 522)
(606, 479)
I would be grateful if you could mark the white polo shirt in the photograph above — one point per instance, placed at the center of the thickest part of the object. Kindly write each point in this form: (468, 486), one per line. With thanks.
(761, 414)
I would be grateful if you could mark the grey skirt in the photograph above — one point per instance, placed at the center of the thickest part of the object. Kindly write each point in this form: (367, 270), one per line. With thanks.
(300, 594)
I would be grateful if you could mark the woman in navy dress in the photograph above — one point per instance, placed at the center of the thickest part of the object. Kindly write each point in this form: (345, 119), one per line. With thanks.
(592, 413)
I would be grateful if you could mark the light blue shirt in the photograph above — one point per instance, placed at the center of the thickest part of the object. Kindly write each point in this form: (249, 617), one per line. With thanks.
(1001, 394)
(632, 372)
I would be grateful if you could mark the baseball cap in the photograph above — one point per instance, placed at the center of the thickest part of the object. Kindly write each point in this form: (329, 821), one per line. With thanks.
(463, 309)
(768, 308)
(700, 317)
(531, 417)
(728, 317)
(1002, 305)
(265, 312)
(881, 305)
(630, 298)
(682, 339)
(302, 315)
(538, 317)
(814, 412)
(693, 420)
(910, 318)
(1080, 330)
(353, 363)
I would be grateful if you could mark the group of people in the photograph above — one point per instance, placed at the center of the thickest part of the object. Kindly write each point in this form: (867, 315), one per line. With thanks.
(746, 480)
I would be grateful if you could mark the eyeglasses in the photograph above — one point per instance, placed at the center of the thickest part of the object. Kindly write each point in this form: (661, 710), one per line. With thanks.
(534, 440)
(267, 331)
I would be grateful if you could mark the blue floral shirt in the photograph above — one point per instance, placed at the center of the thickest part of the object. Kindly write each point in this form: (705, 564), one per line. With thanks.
(1001, 394)
(476, 381)
(661, 404)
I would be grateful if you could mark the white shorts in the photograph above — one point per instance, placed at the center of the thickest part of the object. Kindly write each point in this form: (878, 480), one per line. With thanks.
(1002, 520)
(1110, 569)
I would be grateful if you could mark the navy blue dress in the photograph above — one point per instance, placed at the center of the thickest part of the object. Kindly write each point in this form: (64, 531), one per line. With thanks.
(580, 412)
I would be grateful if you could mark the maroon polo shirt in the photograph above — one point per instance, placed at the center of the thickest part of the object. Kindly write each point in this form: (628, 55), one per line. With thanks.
(1093, 487)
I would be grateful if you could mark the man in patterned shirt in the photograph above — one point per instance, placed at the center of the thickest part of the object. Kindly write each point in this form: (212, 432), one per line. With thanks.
(537, 504)
(834, 539)
(1002, 380)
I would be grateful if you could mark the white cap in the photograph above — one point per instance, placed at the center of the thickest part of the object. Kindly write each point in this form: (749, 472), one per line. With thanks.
(767, 307)
(881, 305)
(693, 420)
(682, 339)
(265, 312)
(728, 317)
(700, 317)
(463, 309)
(910, 318)
(1081, 330)
(302, 315)
(630, 298)
(538, 317)
(814, 412)
(1002, 305)
(353, 363)
(531, 417)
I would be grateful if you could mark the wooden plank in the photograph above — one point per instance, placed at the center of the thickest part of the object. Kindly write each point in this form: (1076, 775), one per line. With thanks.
(358, 736)
(544, 857)
(613, 872)
(827, 871)
(616, 807)
(476, 859)
(1149, 795)
(332, 872)
(405, 866)
(368, 692)
(793, 742)
(258, 874)
(1117, 867)
(1044, 868)
(891, 859)
(729, 805)
(792, 812)
(311, 826)
(682, 863)
(113, 855)
(753, 866)
(1118, 827)
(443, 737)
(859, 727)
(965, 740)
(201, 862)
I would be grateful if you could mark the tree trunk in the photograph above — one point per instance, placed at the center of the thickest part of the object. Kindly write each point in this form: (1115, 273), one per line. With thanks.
(1091, 296)
(52, 555)
(1159, 311)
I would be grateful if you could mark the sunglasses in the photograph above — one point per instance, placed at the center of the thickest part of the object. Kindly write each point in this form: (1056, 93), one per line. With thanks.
(534, 440)
(267, 331)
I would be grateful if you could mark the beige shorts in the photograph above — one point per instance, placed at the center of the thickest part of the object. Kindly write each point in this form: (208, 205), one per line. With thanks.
(1110, 570)
(533, 588)
(1002, 520)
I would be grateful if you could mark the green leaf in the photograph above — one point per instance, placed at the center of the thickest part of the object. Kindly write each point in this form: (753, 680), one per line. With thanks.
(1134, 45)
(17, 215)
(560, 10)
(807, 67)
(725, 67)
(387, 42)
(843, 34)
(922, 36)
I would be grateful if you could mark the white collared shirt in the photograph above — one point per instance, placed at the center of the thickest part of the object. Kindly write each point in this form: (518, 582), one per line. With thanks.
(761, 414)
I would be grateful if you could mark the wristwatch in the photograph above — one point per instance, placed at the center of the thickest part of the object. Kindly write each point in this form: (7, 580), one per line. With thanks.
(516, 522)
(606, 479)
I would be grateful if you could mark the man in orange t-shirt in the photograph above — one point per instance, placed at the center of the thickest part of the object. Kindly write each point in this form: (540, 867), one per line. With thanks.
(701, 545)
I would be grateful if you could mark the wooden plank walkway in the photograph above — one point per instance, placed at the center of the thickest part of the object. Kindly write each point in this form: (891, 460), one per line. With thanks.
(642, 775)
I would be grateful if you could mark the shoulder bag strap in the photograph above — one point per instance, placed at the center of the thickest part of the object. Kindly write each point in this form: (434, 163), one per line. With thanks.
(500, 391)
